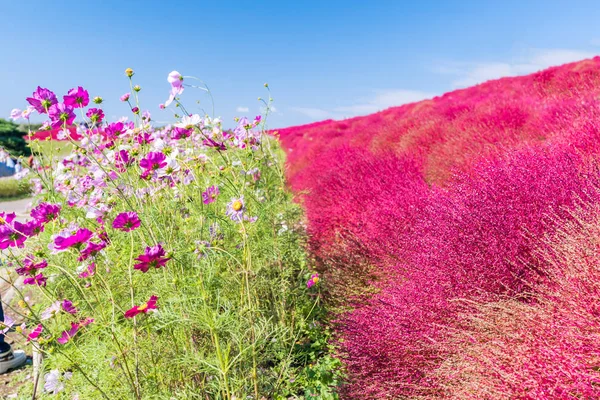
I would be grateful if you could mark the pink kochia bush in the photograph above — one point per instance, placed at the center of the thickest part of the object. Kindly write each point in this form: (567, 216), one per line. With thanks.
(474, 240)
(544, 349)
(442, 207)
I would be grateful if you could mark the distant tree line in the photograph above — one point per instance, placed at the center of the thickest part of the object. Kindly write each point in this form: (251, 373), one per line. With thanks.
(12, 139)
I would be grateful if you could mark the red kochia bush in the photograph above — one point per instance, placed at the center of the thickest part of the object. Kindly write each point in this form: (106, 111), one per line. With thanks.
(547, 349)
(473, 240)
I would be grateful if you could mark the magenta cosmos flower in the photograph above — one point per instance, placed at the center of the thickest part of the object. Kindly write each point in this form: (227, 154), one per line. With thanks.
(314, 279)
(144, 308)
(39, 280)
(127, 221)
(210, 195)
(45, 212)
(154, 256)
(95, 115)
(61, 114)
(15, 234)
(152, 162)
(91, 250)
(77, 98)
(42, 99)
(30, 267)
(76, 240)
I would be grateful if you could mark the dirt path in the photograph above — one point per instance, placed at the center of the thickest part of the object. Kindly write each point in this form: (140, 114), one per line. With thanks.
(19, 207)
(10, 383)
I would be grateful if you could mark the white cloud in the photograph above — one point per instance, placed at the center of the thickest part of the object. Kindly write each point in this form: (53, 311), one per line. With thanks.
(313, 113)
(533, 60)
(241, 109)
(380, 100)
(383, 99)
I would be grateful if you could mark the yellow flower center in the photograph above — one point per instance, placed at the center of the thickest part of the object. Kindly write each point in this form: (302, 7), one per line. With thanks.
(2, 221)
(143, 307)
(237, 205)
(315, 279)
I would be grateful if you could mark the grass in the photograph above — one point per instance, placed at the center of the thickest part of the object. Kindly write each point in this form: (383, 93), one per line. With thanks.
(13, 189)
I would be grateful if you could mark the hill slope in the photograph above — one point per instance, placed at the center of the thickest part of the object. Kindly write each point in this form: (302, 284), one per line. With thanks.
(441, 224)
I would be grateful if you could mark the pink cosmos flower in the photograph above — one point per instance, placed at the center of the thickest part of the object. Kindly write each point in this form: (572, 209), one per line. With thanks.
(45, 212)
(51, 311)
(77, 98)
(210, 194)
(42, 100)
(125, 97)
(127, 221)
(235, 209)
(75, 326)
(68, 335)
(154, 256)
(39, 280)
(91, 250)
(60, 115)
(6, 324)
(75, 240)
(35, 333)
(89, 271)
(95, 115)
(144, 308)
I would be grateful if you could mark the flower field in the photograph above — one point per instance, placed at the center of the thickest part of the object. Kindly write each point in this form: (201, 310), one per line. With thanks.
(458, 239)
(445, 249)
(163, 263)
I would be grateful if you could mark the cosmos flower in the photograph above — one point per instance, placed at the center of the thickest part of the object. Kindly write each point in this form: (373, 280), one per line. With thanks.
(67, 306)
(77, 98)
(34, 334)
(153, 161)
(154, 256)
(91, 250)
(75, 240)
(314, 279)
(125, 97)
(45, 212)
(88, 272)
(30, 267)
(96, 115)
(144, 308)
(127, 221)
(6, 324)
(210, 194)
(235, 209)
(51, 311)
(54, 381)
(42, 99)
(60, 115)
(39, 280)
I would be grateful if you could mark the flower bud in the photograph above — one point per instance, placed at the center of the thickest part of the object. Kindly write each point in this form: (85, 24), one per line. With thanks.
(98, 100)
(129, 72)
(137, 88)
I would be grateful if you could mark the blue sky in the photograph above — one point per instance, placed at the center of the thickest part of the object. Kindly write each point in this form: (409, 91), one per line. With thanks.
(322, 59)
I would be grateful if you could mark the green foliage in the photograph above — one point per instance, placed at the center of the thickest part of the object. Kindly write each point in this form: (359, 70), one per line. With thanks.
(11, 139)
(237, 321)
